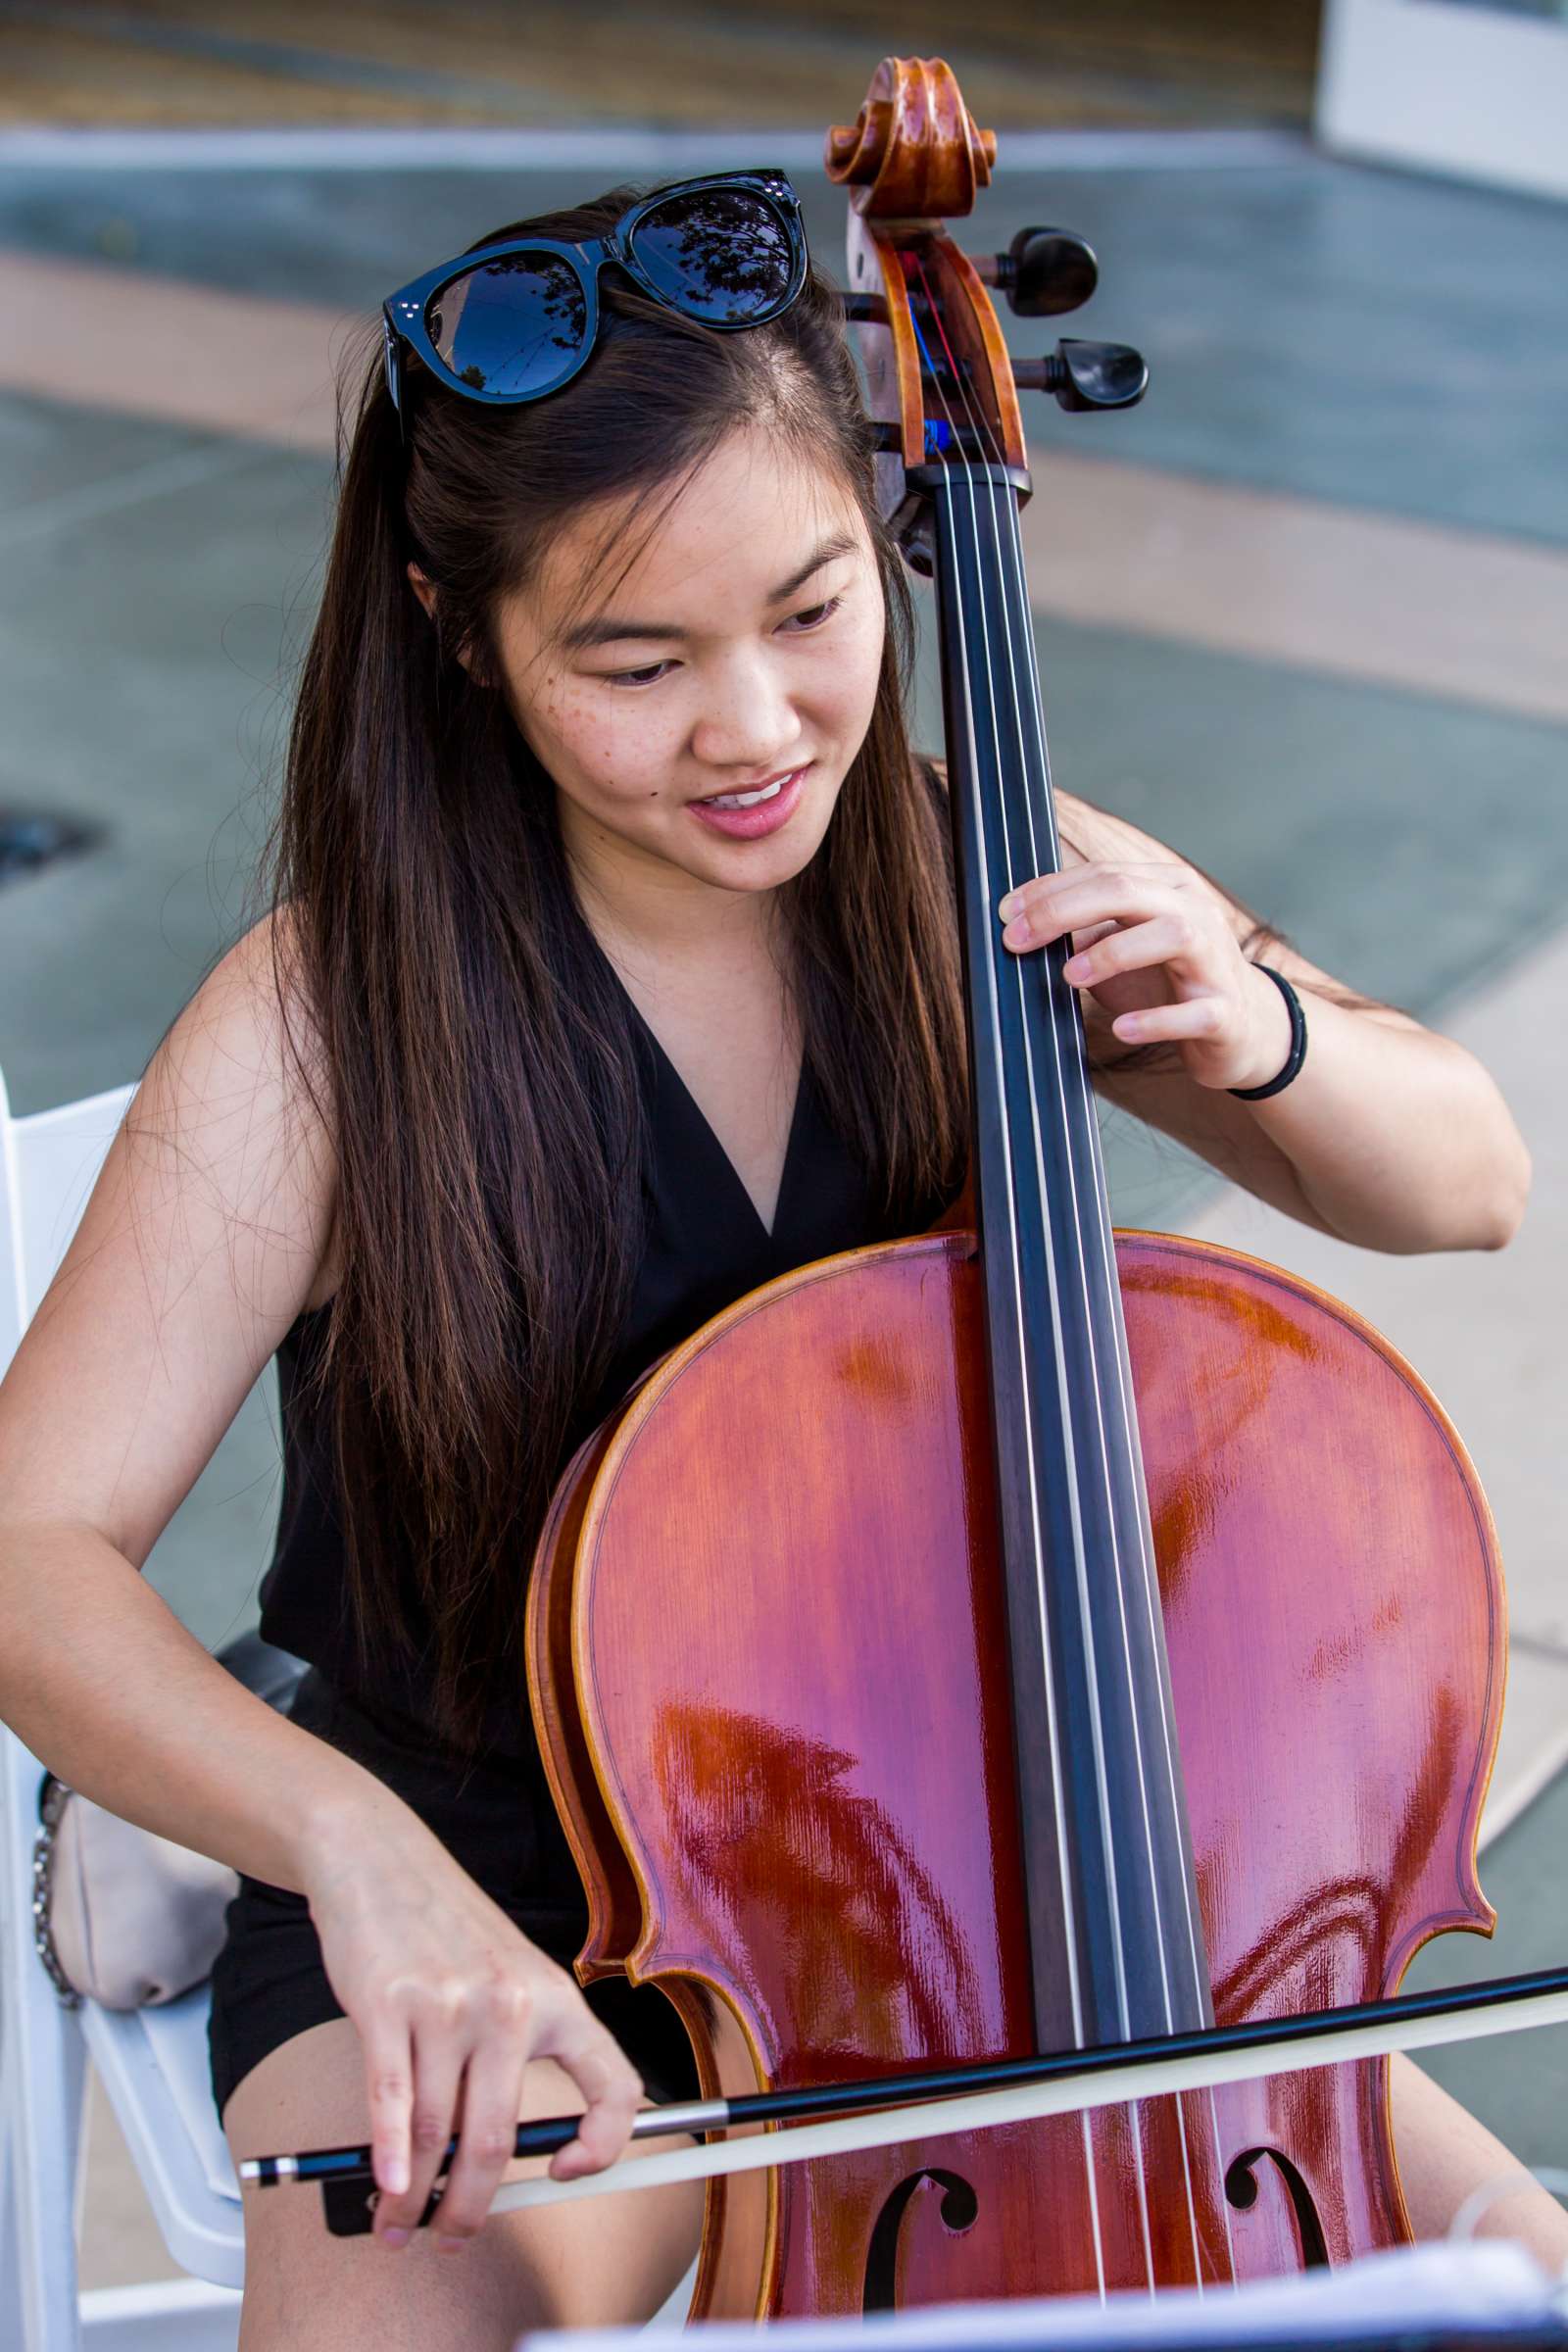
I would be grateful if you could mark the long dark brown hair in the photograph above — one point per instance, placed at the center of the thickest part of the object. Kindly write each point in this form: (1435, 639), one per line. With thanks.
(469, 1047)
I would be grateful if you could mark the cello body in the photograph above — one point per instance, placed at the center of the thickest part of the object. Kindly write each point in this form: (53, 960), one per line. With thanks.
(765, 1632)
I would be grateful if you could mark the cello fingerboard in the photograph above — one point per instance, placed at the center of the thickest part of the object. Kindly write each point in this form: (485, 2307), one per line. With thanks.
(1117, 1945)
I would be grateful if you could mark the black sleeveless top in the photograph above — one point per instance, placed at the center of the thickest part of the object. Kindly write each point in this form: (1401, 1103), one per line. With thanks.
(704, 1247)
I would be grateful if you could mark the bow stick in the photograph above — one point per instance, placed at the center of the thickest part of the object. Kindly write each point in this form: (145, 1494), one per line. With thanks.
(965, 2098)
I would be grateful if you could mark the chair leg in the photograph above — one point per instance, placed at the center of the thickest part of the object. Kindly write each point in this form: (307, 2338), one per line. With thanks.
(42, 2077)
(47, 2091)
(43, 2093)
(10, 2233)
(176, 2315)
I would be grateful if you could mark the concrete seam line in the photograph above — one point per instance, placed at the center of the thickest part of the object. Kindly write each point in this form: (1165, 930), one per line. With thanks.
(615, 146)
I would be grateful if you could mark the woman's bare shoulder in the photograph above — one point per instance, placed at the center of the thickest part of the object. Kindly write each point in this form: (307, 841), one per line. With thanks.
(236, 1108)
(205, 1235)
(242, 1069)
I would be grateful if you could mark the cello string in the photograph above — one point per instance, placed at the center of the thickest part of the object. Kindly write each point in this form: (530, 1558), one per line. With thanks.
(1199, 1975)
(1058, 1770)
(1075, 1988)
(1033, 1474)
(1064, 1395)
(1119, 1368)
(1054, 994)
(1075, 1059)
(1199, 1972)
(1075, 1064)
(1133, 2112)
(993, 1008)
(1069, 1437)
(1119, 1371)
(1016, 978)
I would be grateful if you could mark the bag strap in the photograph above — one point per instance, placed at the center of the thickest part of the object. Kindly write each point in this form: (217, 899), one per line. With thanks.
(51, 1806)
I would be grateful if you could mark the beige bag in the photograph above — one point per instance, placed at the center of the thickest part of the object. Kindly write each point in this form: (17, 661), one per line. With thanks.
(122, 1916)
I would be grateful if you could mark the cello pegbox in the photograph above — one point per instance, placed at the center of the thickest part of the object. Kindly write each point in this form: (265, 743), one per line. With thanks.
(913, 158)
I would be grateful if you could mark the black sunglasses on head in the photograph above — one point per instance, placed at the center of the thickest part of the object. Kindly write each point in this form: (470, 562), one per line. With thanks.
(516, 321)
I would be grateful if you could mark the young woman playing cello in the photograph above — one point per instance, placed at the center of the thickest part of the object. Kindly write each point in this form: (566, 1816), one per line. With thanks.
(610, 970)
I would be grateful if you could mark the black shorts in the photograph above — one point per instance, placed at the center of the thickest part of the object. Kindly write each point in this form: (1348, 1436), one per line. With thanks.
(496, 1818)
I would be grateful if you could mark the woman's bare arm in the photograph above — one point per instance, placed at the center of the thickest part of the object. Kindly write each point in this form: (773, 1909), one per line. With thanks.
(200, 1244)
(1392, 1136)
(202, 1241)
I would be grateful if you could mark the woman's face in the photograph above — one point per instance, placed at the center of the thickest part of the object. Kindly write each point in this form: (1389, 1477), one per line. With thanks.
(739, 652)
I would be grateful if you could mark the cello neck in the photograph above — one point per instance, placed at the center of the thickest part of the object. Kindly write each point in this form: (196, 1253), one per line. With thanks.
(1117, 1946)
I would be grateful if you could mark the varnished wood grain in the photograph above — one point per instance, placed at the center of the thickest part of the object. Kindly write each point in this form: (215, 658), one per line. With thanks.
(785, 1644)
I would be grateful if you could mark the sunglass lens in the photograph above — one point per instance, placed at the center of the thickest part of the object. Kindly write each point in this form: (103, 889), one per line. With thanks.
(513, 325)
(717, 254)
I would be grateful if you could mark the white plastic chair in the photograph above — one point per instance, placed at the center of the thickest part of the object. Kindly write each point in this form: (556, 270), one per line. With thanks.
(153, 2062)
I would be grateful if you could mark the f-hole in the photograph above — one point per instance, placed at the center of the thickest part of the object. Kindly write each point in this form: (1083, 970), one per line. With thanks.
(1241, 2188)
(959, 2209)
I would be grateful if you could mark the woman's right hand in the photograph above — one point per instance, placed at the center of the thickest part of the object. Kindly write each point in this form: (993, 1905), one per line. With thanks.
(452, 2002)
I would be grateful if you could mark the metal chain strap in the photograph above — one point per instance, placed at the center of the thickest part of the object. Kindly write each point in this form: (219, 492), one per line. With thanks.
(51, 1806)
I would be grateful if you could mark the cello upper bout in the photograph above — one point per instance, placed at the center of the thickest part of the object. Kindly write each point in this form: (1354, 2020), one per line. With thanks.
(1319, 1527)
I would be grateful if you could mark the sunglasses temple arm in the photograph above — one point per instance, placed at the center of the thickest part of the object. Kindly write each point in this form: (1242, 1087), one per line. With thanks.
(392, 362)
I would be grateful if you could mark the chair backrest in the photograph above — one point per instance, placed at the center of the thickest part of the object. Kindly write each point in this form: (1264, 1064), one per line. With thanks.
(49, 1163)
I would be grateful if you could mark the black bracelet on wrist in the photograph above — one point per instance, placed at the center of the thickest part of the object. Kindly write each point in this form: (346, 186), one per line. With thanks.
(1297, 1053)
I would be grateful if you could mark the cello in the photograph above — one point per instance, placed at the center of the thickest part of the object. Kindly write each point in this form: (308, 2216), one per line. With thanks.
(1097, 1637)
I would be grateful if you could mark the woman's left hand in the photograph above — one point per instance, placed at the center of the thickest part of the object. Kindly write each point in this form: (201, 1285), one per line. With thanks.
(1154, 949)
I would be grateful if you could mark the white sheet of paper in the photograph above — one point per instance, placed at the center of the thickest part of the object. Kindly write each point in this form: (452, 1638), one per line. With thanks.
(1492, 2285)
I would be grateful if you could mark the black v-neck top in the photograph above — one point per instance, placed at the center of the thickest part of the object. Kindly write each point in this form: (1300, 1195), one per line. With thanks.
(704, 1247)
